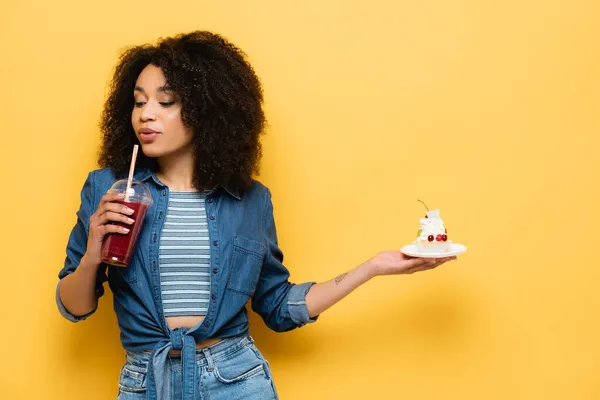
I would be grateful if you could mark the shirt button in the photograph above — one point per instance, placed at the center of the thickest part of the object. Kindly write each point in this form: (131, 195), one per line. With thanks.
(160, 215)
(209, 200)
(156, 296)
(212, 217)
(215, 243)
(213, 297)
(206, 324)
(164, 192)
(214, 270)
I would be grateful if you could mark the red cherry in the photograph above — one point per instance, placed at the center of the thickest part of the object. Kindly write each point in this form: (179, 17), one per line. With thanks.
(444, 237)
(426, 216)
(430, 238)
(438, 238)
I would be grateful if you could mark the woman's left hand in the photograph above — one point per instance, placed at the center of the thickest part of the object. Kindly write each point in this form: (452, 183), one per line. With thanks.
(394, 262)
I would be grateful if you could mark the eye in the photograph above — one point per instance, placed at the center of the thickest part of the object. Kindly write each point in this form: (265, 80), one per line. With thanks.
(167, 103)
(139, 103)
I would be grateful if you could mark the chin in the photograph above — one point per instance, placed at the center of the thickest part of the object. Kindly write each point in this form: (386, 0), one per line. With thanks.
(151, 150)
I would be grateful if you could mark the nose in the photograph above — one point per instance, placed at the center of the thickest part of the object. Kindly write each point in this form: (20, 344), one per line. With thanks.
(148, 112)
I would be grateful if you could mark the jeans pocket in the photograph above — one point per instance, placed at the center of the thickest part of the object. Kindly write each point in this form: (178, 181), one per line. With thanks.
(239, 366)
(259, 355)
(132, 380)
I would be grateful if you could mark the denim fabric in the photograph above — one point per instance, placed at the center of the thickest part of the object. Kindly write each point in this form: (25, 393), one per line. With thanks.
(246, 265)
(230, 370)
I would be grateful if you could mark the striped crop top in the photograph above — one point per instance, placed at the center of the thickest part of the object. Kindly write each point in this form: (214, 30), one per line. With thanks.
(184, 256)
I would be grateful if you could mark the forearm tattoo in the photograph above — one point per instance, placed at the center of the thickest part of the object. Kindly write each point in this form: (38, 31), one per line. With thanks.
(338, 279)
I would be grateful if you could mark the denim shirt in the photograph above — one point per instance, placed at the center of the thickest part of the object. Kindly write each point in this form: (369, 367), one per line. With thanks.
(246, 265)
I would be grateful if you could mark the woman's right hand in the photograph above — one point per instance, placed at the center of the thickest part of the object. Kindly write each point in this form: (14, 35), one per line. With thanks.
(100, 224)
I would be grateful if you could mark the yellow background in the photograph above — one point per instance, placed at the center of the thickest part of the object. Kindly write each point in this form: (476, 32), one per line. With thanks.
(487, 110)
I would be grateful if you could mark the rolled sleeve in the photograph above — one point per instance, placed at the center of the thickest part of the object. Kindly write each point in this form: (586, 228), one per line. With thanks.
(77, 246)
(280, 303)
(297, 304)
(64, 312)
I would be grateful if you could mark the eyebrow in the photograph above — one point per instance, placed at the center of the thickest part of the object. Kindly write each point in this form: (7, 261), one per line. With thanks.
(164, 89)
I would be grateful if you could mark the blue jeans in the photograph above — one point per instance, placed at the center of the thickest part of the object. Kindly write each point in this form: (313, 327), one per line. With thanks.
(229, 370)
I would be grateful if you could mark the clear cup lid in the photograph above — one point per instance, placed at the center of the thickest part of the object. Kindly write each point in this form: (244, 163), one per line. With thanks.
(138, 192)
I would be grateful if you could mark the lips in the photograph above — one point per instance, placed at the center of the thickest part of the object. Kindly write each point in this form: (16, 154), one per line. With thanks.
(148, 135)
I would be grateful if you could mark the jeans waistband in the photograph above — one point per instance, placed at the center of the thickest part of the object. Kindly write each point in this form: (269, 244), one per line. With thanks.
(217, 351)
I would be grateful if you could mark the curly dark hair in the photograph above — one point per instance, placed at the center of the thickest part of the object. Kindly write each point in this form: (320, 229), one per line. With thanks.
(221, 102)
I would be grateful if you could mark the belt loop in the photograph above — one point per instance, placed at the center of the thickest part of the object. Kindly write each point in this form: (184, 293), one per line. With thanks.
(209, 359)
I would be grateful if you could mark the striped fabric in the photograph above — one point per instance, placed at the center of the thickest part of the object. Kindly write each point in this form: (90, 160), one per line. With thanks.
(185, 256)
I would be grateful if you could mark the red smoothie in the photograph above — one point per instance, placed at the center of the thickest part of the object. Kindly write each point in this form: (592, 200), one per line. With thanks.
(117, 248)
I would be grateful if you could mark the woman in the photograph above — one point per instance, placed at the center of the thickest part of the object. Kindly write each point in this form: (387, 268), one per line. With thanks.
(208, 243)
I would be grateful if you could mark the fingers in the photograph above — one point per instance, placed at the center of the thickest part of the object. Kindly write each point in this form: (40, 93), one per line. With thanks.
(440, 260)
(111, 216)
(116, 208)
(104, 223)
(111, 228)
(416, 262)
(108, 197)
(110, 209)
(429, 263)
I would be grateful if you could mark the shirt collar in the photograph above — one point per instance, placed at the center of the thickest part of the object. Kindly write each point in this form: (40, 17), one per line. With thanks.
(143, 174)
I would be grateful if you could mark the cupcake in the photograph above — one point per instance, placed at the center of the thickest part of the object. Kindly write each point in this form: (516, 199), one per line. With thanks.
(433, 236)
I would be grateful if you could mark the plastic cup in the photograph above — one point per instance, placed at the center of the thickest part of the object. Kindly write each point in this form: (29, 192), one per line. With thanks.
(117, 248)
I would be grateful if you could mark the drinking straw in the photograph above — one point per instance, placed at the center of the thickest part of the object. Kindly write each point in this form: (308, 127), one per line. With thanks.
(131, 168)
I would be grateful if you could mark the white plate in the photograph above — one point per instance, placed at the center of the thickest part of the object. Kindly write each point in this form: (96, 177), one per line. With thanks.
(413, 251)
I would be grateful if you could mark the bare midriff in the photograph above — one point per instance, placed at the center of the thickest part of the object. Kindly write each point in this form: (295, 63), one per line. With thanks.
(190, 322)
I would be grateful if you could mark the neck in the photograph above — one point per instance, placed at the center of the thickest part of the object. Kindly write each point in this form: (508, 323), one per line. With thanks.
(177, 172)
